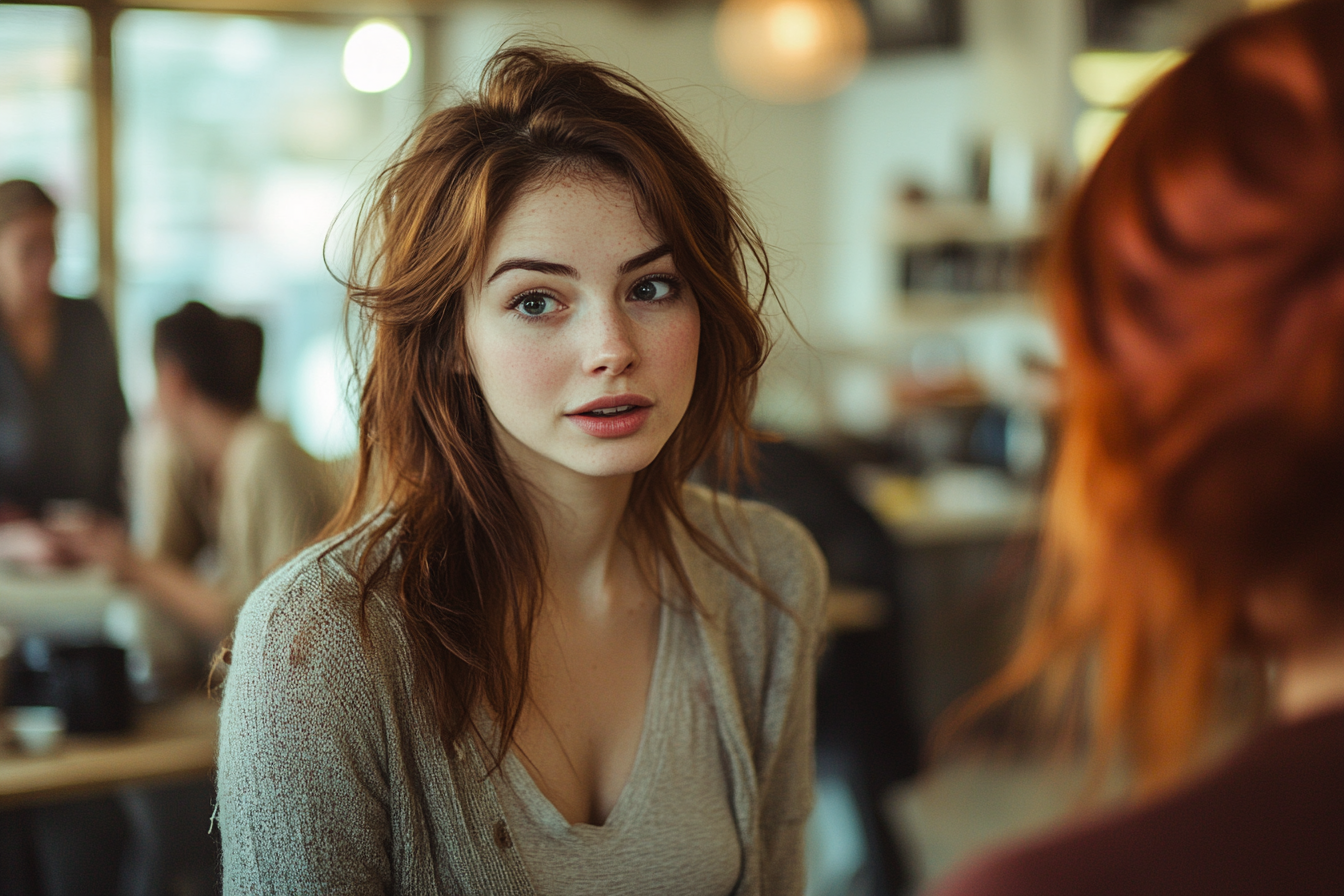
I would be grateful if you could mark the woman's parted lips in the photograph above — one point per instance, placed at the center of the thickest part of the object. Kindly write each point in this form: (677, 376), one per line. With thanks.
(612, 401)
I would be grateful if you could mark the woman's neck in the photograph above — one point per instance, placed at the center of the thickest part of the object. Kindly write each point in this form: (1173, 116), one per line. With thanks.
(1304, 634)
(580, 520)
(1310, 677)
(207, 431)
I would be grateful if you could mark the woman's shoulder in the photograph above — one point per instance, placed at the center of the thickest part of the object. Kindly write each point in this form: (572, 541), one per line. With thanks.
(265, 459)
(263, 441)
(769, 542)
(727, 518)
(313, 608)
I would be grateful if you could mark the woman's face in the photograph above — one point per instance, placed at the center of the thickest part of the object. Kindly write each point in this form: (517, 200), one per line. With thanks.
(582, 337)
(27, 254)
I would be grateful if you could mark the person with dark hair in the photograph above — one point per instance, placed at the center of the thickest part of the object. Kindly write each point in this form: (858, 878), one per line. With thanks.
(1197, 509)
(531, 658)
(225, 493)
(62, 414)
(217, 357)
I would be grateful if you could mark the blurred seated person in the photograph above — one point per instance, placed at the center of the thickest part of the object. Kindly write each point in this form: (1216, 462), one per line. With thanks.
(1197, 513)
(225, 493)
(62, 415)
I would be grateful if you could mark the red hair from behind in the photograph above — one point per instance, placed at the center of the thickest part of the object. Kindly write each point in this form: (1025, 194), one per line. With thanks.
(1197, 280)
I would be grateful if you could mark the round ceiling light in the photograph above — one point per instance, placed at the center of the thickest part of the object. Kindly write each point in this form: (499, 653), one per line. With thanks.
(377, 56)
(790, 51)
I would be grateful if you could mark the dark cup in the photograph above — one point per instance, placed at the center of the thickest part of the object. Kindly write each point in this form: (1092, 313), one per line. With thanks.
(89, 683)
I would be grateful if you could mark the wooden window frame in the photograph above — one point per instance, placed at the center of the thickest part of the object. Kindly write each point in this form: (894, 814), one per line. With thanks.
(103, 16)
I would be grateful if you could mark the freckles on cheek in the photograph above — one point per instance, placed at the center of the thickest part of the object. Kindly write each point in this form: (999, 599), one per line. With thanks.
(521, 362)
(679, 345)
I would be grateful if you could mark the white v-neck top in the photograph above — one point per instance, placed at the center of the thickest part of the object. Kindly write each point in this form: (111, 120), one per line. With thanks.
(671, 830)
(334, 779)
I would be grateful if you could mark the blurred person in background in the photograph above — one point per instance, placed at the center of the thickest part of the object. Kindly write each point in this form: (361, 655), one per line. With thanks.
(62, 414)
(226, 493)
(1197, 510)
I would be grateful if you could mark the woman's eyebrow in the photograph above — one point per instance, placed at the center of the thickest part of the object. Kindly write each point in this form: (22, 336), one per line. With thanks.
(644, 258)
(563, 270)
(534, 264)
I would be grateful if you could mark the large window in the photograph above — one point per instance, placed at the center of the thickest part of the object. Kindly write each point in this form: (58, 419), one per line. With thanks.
(238, 143)
(45, 123)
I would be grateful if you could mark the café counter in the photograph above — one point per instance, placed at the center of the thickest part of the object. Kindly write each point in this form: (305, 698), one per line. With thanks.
(170, 741)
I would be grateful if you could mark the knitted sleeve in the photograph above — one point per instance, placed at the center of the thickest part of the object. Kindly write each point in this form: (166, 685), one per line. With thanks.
(303, 787)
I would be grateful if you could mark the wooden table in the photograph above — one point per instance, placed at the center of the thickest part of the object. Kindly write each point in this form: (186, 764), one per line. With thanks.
(173, 742)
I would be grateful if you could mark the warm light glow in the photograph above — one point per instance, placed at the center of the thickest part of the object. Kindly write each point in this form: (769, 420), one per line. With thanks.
(377, 56)
(790, 51)
(794, 28)
(1116, 79)
(1256, 5)
(1093, 133)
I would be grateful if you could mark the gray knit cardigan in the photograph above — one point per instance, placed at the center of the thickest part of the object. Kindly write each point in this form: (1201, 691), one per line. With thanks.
(333, 779)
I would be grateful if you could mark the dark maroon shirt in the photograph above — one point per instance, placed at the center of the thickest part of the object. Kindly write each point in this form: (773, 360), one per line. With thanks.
(1267, 821)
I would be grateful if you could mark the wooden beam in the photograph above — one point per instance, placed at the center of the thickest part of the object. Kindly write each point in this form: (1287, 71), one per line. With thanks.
(432, 72)
(102, 16)
(305, 10)
(339, 10)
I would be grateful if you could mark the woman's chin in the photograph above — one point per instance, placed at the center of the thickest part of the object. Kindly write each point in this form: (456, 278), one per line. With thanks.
(610, 459)
(614, 466)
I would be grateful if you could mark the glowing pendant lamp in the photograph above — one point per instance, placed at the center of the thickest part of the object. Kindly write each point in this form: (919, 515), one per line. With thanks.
(377, 56)
(790, 51)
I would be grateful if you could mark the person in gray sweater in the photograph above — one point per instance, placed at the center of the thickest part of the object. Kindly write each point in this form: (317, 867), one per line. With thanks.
(529, 657)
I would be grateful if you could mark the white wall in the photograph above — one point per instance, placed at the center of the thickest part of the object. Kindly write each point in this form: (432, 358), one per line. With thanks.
(917, 117)
(905, 119)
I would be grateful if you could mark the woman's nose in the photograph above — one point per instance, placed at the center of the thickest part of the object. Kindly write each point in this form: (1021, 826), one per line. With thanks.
(611, 346)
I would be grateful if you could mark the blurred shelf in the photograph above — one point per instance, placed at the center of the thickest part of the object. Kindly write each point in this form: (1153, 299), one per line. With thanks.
(954, 259)
(942, 221)
(940, 307)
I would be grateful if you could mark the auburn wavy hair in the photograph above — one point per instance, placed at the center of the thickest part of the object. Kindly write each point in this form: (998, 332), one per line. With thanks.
(1197, 280)
(466, 557)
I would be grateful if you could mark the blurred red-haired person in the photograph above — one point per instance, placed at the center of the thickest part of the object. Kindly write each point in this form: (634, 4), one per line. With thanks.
(1197, 510)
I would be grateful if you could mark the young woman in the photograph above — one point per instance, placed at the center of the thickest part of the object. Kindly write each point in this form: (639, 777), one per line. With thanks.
(545, 664)
(1198, 504)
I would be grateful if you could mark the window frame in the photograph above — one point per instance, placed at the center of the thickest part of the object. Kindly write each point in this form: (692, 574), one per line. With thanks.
(102, 83)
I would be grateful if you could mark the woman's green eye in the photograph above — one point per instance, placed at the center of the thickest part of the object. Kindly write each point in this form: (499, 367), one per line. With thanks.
(651, 290)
